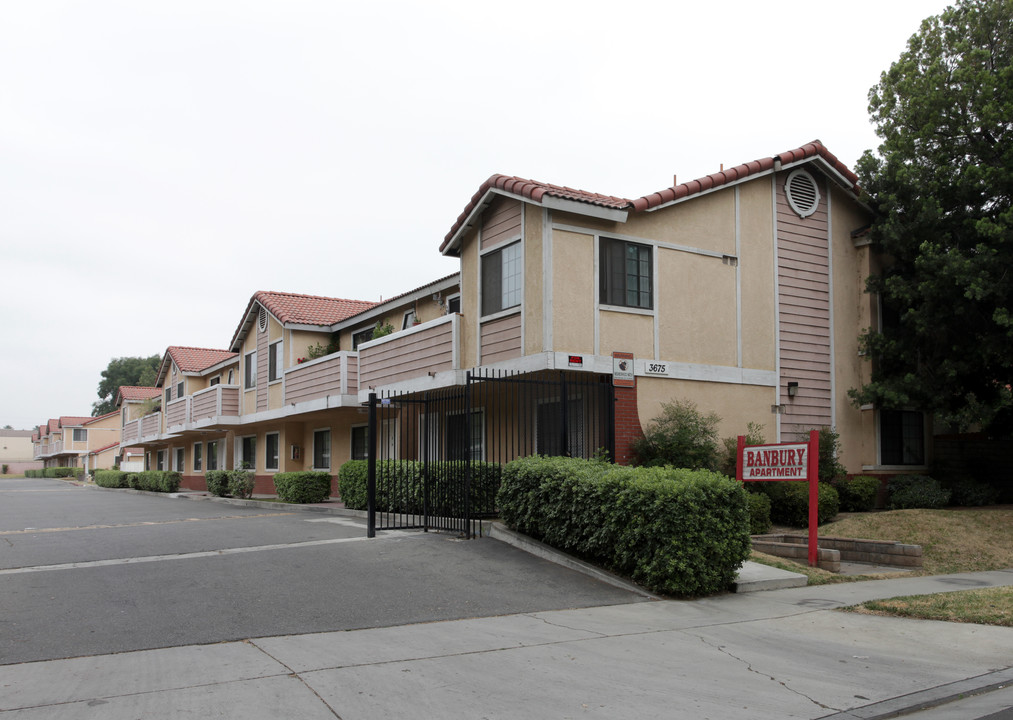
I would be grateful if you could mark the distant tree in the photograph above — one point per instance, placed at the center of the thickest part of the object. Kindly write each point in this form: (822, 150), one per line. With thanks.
(942, 184)
(124, 371)
(8, 427)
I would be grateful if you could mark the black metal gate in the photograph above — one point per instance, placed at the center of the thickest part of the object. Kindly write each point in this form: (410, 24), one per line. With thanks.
(436, 460)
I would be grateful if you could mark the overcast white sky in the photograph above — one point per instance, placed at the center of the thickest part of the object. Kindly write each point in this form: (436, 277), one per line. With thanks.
(162, 161)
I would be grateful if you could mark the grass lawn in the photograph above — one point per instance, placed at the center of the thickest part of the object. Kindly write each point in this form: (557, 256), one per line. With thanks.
(953, 540)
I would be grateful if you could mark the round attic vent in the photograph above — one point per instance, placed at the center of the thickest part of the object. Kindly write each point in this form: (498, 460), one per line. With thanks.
(803, 193)
(262, 320)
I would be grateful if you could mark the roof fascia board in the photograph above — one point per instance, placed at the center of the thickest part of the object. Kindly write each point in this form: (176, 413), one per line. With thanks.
(581, 208)
(479, 208)
(378, 310)
(708, 191)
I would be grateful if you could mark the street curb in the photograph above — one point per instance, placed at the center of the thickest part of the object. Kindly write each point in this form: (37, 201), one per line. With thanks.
(501, 532)
(925, 699)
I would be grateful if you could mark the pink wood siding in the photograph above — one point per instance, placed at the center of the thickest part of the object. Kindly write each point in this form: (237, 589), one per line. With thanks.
(151, 425)
(501, 339)
(409, 355)
(803, 271)
(500, 222)
(320, 379)
(262, 367)
(131, 432)
(175, 413)
(205, 402)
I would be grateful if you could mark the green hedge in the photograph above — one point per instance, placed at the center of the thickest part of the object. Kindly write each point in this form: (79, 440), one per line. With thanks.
(680, 532)
(857, 494)
(111, 478)
(400, 487)
(54, 472)
(789, 502)
(916, 491)
(166, 481)
(217, 482)
(303, 487)
(759, 513)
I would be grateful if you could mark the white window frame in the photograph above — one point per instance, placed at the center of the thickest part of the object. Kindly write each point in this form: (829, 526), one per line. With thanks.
(277, 447)
(330, 445)
(250, 370)
(197, 454)
(275, 354)
(241, 452)
(160, 458)
(83, 432)
(178, 466)
(217, 455)
(502, 306)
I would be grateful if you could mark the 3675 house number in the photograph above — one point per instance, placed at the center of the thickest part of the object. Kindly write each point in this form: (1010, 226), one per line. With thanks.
(656, 368)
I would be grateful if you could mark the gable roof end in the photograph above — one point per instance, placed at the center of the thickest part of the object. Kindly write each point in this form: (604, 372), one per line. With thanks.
(296, 309)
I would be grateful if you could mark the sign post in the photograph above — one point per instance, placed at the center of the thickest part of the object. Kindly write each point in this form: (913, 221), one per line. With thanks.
(785, 461)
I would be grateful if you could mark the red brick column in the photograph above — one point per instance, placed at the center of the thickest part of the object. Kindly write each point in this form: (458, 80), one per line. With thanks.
(627, 428)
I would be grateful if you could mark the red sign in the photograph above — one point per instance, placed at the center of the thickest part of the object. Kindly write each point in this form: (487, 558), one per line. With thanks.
(785, 461)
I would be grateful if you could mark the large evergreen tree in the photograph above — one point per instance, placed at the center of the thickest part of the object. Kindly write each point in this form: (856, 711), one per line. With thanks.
(121, 371)
(942, 183)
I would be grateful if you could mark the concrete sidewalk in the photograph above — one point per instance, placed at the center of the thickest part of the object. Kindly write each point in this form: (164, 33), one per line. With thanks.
(778, 654)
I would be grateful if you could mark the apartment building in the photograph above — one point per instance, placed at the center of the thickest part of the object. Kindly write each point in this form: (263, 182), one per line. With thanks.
(73, 441)
(742, 291)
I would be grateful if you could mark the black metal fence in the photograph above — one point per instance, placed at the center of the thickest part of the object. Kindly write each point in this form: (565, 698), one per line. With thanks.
(436, 460)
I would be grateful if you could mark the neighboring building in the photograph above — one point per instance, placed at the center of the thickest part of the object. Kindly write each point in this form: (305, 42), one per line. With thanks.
(69, 441)
(17, 451)
(742, 291)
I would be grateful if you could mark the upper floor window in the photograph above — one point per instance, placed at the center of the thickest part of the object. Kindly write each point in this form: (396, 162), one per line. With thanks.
(274, 363)
(361, 337)
(502, 279)
(454, 304)
(250, 370)
(626, 274)
(215, 380)
(80, 435)
(179, 389)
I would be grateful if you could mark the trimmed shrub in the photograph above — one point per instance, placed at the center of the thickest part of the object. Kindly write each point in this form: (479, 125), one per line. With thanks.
(857, 494)
(4, 468)
(61, 472)
(759, 513)
(400, 486)
(303, 487)
(831, 468)
(789, 502)
(730, 454)
(165, 481)
(217, 482)
(675, 531)
(916, 491)
(681, 436)
(111, 478)
(241, 483)
(352, 477)
(967, 492)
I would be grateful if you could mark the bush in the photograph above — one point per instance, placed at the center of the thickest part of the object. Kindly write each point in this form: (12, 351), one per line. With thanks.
(217, 482)
(831, 469)
(166, 481)
(4, 468)
(857, 494)
(241, 482)
(111, 478)
(400, 487)
(681, 436)
(967, 492)
(789, 502)
(759, 513)
(916, 491)
(61, 472)
(303, 487)
(675, 531)
(727, 464)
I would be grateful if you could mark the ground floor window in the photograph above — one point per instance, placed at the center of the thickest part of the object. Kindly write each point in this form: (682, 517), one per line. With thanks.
(462, 445)
(180, 460)
(549, 428)
(212, 454)
(197, 447)
(248, 459)
(360, 439)
(901, 437)
(160, 460)
(322, 449)
(271, 445)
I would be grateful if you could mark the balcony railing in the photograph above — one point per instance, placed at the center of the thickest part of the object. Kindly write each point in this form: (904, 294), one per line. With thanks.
(151, 425)
(177, 412)
(336, 374)
(422, 350)
(215, 401)
(131, 432)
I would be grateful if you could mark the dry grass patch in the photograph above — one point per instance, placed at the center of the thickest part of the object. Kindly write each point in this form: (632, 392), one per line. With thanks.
(989, 606)
(953, 540)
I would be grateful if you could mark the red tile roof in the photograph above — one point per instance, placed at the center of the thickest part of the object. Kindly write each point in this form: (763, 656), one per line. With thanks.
(535, 191)
(101, 417)
(193, 359)
(296, 309)
(137, 392)
(309, 309)
(72, 420)
(103, 449)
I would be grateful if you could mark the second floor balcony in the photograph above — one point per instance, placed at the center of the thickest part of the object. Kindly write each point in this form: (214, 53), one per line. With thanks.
(419, 352)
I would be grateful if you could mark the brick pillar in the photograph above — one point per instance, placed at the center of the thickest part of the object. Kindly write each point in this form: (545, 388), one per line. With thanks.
(627, 428)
